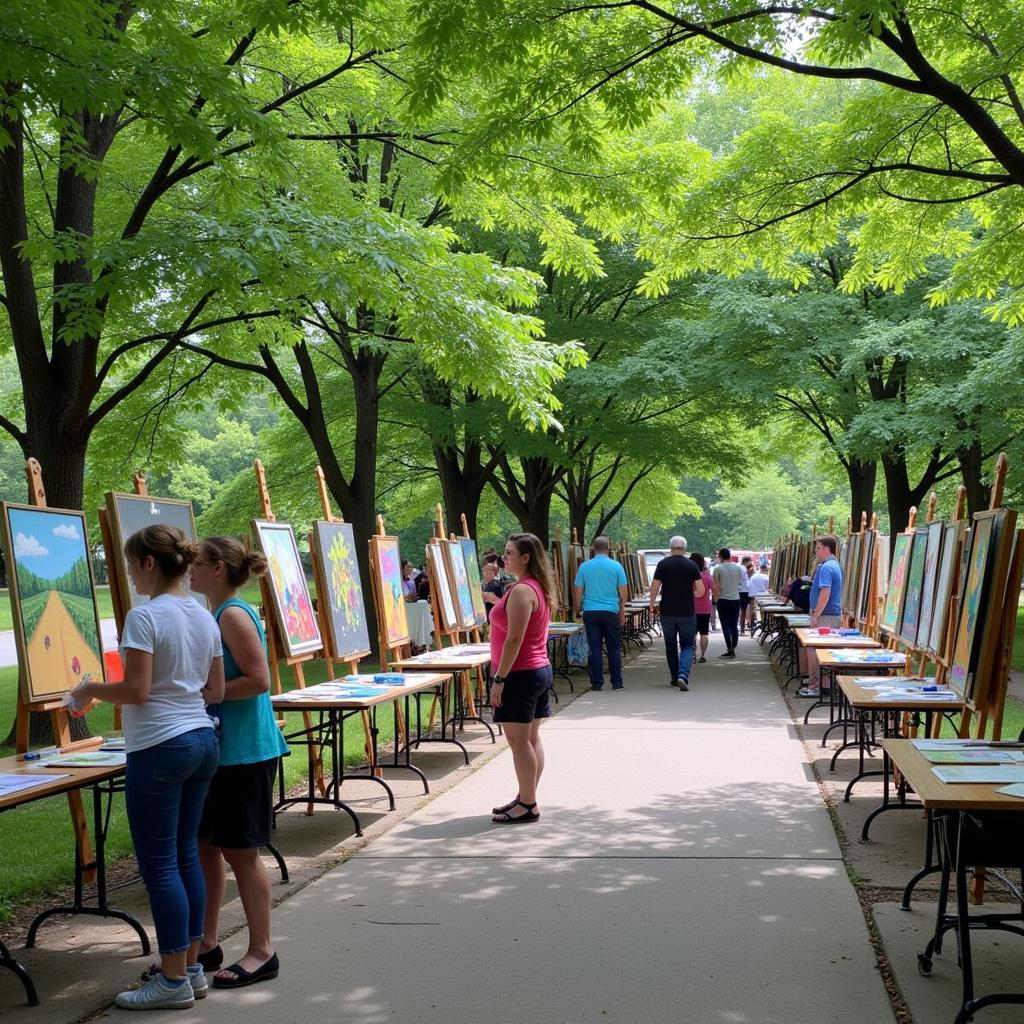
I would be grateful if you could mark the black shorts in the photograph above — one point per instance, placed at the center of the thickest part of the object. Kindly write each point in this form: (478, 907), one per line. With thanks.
(239, 809)
(525, 696)
(744, 600)
(703, 623)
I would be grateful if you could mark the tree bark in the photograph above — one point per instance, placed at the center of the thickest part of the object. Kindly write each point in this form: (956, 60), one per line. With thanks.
(862, 476)
(971, 461)
(462, 484)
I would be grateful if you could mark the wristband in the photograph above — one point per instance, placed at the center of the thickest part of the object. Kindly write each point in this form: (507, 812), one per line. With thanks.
(497, 679)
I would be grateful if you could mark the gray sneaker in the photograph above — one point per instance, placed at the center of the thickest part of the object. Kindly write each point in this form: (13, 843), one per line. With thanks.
(157, 994)
(197, 979)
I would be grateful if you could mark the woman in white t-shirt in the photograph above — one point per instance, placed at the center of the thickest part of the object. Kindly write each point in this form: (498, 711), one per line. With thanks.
(173, 668)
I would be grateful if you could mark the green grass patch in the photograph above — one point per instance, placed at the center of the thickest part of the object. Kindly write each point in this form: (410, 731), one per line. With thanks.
(36, 843)
(103, 602)
(1018, 640)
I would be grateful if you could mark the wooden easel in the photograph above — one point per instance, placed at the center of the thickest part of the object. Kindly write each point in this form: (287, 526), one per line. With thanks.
(323, 613)
(275, 645)
(389, 652)
(59, 721)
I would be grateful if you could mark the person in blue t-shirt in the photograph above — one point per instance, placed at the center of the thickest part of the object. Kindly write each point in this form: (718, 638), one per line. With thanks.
(238, 815)
(600, 592)
(826, 603)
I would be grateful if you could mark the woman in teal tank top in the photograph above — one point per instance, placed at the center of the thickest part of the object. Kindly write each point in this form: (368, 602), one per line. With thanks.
(238, 815)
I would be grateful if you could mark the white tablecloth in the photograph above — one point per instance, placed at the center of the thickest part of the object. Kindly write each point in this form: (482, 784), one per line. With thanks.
(421, 622)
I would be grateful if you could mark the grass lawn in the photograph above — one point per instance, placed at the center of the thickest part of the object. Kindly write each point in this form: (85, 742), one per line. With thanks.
(36, 849)
(1018, 641)
(7, 622)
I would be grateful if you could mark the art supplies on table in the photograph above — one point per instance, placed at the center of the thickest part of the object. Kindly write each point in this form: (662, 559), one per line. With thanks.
(979, 774)
(868, 657)
(113, 743)
(973, 755)
(12, 784)
(86, 759)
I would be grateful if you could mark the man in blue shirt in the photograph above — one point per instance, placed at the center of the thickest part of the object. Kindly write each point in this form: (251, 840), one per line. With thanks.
(826, 603)
(600, 592)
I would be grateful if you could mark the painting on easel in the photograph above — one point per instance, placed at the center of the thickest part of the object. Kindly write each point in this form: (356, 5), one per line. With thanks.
(335, 548)
(867, 567)
(442, 586)
(952, 543)
(463, 594)
(388, 565)
(897, 582)
(476, 583)
(129, 513)
(53, 600)
(915, 584)
(931, 574)
(293, 606)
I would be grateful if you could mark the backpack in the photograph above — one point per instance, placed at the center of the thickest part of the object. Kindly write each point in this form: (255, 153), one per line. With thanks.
(800, 593)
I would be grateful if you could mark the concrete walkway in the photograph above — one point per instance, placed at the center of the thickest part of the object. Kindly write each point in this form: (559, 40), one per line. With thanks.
(684, 868)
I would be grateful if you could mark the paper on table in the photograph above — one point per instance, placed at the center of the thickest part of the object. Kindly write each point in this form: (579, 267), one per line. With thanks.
(950, 744)
(973, 755)
(979, 773)
(86, 759)
(11, 784)
(1017, 789)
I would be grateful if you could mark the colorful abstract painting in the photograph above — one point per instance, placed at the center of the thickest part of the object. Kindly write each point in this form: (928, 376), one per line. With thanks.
(293, 607)
(867, 568)
(129, 513)
(334, 548)
(897, 581)
(386, 562)
(476, 583)
(931, 572)
(949, 563)
(915, 583)
(56, 623)
(460, 580)
(442, 586)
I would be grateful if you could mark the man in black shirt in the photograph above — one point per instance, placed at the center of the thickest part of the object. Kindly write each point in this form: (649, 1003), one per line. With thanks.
(678, 581)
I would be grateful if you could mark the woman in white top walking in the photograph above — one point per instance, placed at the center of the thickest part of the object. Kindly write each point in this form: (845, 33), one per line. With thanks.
(173, 668)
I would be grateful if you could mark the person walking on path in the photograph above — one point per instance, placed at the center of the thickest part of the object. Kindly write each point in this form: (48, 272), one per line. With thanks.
(522, 679)
(726, 593)
(600, 593)
(677, 579)
(745, 566)
(758, 585)
(239, 812)
(702, 606)
(826, 603)
(173, 668)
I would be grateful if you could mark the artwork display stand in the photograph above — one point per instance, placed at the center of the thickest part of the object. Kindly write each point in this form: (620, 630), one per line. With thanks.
(59, 720)
(276, 648)
(324, 613)
(389, 652)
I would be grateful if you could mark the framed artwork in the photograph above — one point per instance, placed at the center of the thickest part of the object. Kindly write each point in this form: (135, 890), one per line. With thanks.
(53, 600)
(893, 609)
(915, 583)
(386, 562)
(476, 583)
(867, 566)
(129, 513)
(978, 618)
(460, 582)
(335, 552)
(293, 607)
(442, 585)
(931, 572)
(949, 564)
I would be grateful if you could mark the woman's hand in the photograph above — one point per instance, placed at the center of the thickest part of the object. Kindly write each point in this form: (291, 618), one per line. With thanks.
(496, 691)
(81, 695)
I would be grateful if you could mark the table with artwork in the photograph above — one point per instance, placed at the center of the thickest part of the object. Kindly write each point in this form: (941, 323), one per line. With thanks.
(822, 639)
(879, 707)
(421, 622)
(337, 700)
(464, 660)
(558, 648)
(835, 660)
(23, 782)
(975, 822)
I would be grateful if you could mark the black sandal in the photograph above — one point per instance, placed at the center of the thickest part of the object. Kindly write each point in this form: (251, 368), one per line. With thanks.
(265, 972)
(505, 808)
(504, 818)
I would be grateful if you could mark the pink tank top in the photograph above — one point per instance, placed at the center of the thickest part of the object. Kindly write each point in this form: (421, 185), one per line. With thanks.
(533, 653)
(702, 605)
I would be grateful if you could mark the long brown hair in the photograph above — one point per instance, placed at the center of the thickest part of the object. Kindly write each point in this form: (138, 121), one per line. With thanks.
(538, 567)
(171, 550)
(239, 564)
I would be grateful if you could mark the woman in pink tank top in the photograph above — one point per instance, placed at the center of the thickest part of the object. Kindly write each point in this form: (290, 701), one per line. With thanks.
(522, 671)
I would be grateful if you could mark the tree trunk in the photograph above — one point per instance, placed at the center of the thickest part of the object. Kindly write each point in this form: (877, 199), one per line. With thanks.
(862, 476)
(971, 470)
(537, 519)
(462, 485)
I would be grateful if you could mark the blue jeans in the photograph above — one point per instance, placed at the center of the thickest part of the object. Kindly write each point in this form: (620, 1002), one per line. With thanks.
(165, 788)
(604, 626)
(680, 634)
(729, 619)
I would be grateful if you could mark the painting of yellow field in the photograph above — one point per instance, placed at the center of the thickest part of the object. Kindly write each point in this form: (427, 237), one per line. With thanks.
(53, 600)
